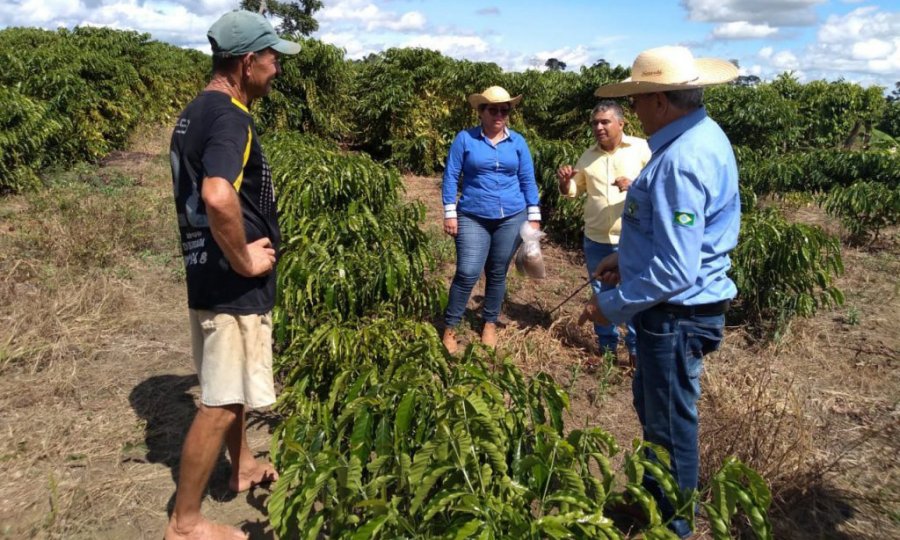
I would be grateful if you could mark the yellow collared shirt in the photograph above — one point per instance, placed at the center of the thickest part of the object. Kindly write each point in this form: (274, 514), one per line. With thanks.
(597, 169)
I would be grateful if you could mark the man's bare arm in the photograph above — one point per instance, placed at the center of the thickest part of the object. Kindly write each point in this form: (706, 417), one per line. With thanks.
(227, 225)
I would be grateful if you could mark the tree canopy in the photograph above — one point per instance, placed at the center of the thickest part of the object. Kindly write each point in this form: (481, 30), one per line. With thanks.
(296, 17)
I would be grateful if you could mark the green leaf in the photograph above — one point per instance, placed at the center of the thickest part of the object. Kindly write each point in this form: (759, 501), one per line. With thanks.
(370, 528)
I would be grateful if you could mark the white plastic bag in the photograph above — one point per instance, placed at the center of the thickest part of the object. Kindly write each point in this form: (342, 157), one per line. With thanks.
(529, 260)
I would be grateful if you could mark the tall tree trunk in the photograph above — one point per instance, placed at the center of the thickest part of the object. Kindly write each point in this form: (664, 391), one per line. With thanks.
(848, 142)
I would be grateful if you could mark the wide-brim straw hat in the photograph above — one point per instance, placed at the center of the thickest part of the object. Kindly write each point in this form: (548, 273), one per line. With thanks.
(494, 94)
(670, 68)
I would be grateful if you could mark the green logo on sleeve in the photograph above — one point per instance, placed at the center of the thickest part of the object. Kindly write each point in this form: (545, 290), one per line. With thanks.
(631, 208)
(685, 219)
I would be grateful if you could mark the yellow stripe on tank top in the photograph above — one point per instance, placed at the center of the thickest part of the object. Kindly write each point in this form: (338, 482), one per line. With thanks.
(240, 178)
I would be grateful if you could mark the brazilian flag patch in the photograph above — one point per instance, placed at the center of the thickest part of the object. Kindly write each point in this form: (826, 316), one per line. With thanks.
(631, 208)
(685, 219)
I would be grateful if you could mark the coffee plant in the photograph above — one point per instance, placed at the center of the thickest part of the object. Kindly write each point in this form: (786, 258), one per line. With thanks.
(80, 93)
(312, 95)
(816, 170)
(351, 248)
(387, 436)
(864, 208)
(756, 117)
(783, 269)
(563, 217)
(829, 111)
(25, 128)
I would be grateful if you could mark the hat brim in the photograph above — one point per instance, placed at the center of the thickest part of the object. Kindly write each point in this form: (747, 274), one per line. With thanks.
(286, 47)
(712, 72)
(476, 100)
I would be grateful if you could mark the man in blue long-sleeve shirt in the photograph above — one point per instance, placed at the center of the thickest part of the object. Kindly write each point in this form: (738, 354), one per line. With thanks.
(681, 219)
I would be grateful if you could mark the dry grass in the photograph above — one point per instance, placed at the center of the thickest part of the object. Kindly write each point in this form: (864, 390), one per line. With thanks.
(96, 388)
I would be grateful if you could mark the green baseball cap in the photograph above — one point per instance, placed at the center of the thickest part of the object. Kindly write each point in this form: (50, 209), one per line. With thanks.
(240, 32)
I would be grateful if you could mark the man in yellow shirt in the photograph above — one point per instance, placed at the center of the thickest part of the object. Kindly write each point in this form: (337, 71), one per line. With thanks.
(604, 172)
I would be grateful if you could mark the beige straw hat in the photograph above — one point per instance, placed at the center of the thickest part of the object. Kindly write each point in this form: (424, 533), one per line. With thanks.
(494, 94)
(670, 68)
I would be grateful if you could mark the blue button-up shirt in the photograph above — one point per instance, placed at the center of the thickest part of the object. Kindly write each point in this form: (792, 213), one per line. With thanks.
(497, 180)
(681, 218)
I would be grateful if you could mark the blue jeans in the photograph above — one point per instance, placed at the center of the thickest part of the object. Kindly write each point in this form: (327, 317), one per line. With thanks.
(482, 244)
(666, 388)
(607, 335)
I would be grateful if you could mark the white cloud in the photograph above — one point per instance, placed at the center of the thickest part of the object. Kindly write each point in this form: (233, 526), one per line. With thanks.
(785, 61)
(365, 14)
(572, 56)
(864, 41)
(755, 69)
(362, 27)
(742, 30)
(456, 46)
(862, 46)
(412, 20)
(350, 41)
(180, 22)
(772, 12)
(872, 49)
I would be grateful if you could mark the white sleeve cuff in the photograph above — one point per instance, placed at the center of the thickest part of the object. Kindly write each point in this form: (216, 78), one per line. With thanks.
(534, 213)
(449, 211)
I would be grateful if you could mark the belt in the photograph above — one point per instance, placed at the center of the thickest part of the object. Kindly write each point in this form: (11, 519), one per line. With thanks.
(716, 308)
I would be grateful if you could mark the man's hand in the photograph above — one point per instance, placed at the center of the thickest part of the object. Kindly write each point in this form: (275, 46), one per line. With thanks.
(564, 175)
(536, 225)
(227, 226)
(451, 226)
(261, 257)
(591, 312)
(608, 270)
(622, 183)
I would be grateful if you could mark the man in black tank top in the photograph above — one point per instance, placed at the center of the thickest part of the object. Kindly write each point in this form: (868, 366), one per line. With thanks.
(225, 201)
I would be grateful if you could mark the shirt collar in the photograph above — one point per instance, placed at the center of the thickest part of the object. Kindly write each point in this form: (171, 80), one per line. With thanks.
(671, 131)
(505, 132)
(625, 142)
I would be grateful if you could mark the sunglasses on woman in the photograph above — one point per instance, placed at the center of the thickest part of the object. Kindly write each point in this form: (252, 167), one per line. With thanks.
(502, 111)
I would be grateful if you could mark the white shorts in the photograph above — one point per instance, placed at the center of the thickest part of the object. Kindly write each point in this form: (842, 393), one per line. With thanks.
(233, 357)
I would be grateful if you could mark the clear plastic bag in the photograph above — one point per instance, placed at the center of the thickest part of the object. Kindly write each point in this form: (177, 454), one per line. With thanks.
(529, 260)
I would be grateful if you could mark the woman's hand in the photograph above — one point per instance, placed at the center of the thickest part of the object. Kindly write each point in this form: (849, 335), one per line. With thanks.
(536, 225)
(451, 226)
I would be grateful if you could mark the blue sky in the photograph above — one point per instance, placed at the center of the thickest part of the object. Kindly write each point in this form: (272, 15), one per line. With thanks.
(858, 40)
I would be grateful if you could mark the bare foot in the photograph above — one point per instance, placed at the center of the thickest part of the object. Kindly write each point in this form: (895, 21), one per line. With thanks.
(203, 530)
(261, 473)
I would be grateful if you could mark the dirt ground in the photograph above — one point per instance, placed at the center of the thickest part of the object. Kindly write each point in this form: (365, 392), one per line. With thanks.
(97, 387)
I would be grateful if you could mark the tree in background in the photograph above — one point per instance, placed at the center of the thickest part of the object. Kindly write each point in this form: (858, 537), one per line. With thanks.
(895, 95)
(296, 17)
(553, 64)
(890, 121)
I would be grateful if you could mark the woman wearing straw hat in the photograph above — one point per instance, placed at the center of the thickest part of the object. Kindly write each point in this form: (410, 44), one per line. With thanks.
(681, 219)
(498, 194)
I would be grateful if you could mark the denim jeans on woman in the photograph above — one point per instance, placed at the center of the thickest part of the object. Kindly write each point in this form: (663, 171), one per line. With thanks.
(488, 245)
(666, 388)
(607, 335)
